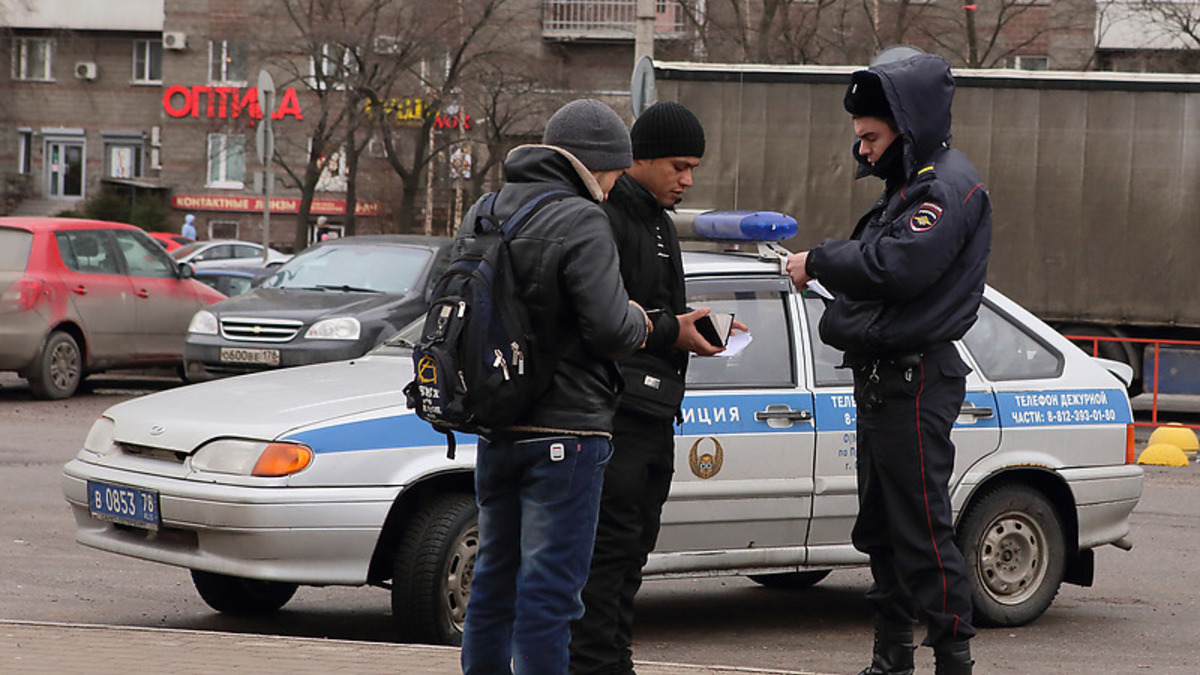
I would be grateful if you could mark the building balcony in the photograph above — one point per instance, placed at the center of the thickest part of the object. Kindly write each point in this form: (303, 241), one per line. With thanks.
(607, 19)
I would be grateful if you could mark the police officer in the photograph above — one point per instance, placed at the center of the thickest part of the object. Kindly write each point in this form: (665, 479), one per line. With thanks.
(906, 284)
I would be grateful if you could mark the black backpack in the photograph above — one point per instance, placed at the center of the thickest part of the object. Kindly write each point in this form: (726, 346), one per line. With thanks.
(472, 366)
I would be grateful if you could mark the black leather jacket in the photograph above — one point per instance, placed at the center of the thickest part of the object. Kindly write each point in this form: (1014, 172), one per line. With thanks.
(565, 262)
(912, 274)
(635, 215)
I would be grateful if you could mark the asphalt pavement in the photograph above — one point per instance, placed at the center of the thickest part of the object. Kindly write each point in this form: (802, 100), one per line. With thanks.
(32, 648)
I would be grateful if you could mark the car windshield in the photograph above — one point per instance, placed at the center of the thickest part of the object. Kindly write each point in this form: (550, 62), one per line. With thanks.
(356, 267)
(185, 251)
(14, 250)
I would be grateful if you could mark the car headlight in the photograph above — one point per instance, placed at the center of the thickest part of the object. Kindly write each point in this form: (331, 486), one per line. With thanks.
(99, 440)
(203, 322)
(338, 328)
(252, 458)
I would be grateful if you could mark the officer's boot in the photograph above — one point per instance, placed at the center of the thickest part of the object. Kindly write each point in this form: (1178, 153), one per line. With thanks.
(952, 657)
(893, 652)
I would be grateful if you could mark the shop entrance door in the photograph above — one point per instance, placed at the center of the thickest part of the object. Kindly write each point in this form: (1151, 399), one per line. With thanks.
(64, 169)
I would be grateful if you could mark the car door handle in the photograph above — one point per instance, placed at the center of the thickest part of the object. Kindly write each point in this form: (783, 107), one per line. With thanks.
(782, 411)
(142, 293)
(972, 410)
(79, 290)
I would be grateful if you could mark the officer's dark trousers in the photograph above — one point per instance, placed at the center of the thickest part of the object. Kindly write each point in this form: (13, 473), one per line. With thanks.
(636, 483)
(905, 458)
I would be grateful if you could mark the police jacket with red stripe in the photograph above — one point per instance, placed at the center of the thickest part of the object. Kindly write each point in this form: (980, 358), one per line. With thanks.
(912, 274)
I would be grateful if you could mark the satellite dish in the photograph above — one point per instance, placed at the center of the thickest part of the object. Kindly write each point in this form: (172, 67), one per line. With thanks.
(895, 53)
(642, 93)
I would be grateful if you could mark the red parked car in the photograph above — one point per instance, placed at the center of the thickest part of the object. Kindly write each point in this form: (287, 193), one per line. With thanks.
(171, 241)
(83, 296)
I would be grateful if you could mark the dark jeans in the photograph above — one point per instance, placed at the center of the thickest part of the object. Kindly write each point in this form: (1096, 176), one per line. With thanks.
(905, 459)
(636, 483)
(538, 501)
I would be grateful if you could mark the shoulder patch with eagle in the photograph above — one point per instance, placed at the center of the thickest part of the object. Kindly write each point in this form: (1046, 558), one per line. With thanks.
(925, 217)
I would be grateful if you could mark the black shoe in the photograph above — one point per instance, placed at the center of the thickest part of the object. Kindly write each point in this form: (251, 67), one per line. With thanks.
(952, 658)
(893, 651)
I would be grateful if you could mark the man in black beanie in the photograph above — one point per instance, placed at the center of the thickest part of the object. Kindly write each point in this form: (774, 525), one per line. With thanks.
(668, 143)
(907, 284)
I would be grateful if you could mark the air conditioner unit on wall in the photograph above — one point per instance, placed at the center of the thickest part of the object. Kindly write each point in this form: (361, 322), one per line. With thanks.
(86, 70)
(174, 40)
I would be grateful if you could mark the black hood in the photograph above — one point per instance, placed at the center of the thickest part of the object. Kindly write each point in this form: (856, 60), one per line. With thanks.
(920, 91)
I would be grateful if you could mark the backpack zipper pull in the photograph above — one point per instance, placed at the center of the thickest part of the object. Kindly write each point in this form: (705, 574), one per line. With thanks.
(518, 358)
(501, 363)
(462, 308)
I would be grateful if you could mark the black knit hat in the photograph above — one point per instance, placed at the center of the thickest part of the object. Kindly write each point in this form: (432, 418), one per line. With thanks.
(591, 131)
(667, 129)
(865, 97)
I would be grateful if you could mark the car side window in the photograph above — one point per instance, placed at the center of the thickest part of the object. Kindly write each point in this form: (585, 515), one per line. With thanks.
(143, 258)
(1004, 350)
(220, 252)
(762, 305)
(246, 252)
(86, 251)
(827, 361)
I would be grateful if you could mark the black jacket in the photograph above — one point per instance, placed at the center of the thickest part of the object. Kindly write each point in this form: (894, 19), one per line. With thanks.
(634, 212)
(912, 274)
(565, 263)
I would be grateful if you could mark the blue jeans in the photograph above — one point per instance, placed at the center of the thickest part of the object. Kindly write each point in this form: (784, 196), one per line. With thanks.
(538, 503)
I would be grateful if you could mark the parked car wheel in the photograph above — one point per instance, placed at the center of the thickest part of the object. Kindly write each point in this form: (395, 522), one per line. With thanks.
(434, 567)
(235, 595)
(59, 369)
(790, 580)
(1015, 551)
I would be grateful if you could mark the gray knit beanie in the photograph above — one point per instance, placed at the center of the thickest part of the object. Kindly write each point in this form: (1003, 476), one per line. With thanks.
(667, 129)
(591, 131)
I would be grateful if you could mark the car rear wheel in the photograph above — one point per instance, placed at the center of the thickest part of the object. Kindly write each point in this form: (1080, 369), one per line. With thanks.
(790, 580)
(60, 368)
(1015, 551)
(434, 567)
(236, 595)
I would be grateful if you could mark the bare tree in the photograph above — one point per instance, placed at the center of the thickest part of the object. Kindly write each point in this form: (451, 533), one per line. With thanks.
(986, 35)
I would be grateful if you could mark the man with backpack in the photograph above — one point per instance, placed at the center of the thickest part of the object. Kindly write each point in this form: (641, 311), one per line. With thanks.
(538, 480)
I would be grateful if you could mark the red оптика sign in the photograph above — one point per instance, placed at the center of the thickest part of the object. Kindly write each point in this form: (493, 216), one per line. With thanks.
(225, 102)
(326, 207)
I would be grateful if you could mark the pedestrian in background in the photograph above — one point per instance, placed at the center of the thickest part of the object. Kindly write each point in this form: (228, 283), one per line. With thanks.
(188, 230)
(538, 482)
(907, 284)
(668, 142)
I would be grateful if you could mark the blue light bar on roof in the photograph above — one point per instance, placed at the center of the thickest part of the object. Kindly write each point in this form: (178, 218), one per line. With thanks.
(745, 226)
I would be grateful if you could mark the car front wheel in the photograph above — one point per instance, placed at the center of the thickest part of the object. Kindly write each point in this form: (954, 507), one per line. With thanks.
(1015, 552)
(236, 595)
(434, 567)
(60, 368)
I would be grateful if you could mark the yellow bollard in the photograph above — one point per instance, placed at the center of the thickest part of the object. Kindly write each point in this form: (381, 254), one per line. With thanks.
(1163, 454)
(1177, 435)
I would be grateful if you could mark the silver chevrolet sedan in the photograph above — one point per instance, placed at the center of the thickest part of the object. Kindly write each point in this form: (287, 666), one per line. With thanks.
(319, 475)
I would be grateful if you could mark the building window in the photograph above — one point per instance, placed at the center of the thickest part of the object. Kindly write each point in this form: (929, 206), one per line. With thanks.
(226, 62)
(123, 154)
(226, 161)
(147, 61)
(1032, 62)
(32, 59)
(331, 66)
(223, 229)
(24, 151)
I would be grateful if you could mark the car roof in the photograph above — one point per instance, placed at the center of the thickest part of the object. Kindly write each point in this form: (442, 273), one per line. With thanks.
(389, 239)
(730, 262)
(47, 224)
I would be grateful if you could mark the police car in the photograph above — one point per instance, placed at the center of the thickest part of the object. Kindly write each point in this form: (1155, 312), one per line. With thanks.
(319, 475)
